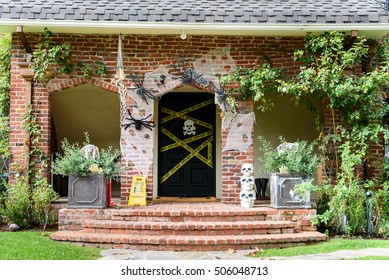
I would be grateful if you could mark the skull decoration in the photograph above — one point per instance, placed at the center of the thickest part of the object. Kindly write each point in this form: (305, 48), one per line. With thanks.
(247, 194)
(247, 169)
(247, 198)
(286, 146)
(189, 128)
(247, 183)
(90, 151)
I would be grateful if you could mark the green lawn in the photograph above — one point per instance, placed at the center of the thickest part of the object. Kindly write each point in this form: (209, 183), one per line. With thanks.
(370, 258)
(334, 244)
(35, 245)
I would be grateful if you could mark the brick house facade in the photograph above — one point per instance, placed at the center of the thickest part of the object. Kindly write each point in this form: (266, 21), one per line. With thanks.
(144, 53)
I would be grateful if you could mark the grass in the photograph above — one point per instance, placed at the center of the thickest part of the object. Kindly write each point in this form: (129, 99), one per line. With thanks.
(334, 244)
(371, 258)
(35, 245)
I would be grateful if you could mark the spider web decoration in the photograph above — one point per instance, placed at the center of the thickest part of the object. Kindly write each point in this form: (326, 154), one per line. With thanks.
(135, 150)
(160, 81)
(140, 88)
(137, 145)
(239, 134)
(216, 63)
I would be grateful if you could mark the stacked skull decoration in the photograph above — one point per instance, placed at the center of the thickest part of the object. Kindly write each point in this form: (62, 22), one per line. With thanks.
(247, 183)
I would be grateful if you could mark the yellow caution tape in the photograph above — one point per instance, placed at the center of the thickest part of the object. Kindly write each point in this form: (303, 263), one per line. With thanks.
(189, 149)
(187, 140)
(182, 114)
(187, 158)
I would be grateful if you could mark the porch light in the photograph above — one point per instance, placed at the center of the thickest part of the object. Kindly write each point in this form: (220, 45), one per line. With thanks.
(183, 35)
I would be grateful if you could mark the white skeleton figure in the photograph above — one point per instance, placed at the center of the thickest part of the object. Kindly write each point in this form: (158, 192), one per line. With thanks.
(247, 169)
(189, 128)
(91, 151)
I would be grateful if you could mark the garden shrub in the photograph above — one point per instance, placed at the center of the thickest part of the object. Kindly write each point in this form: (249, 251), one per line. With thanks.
(42, 196)
(17, 204)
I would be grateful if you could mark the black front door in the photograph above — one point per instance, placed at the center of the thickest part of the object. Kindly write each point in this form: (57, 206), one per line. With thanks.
(186, 145)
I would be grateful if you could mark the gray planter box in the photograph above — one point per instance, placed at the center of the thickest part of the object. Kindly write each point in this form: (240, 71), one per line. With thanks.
(281, 192)
(87, 192)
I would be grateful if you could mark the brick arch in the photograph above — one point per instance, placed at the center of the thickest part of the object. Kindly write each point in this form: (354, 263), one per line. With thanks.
(60, 85)
(196, 86)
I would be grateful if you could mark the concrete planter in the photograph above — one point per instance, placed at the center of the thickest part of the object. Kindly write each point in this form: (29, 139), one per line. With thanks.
(282, 194)
(87, 191)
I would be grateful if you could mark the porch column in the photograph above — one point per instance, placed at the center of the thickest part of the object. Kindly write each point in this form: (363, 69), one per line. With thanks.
(20, 99)
(232, 161)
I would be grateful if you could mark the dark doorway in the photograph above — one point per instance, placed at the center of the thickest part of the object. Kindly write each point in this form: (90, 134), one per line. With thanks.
(186, 145)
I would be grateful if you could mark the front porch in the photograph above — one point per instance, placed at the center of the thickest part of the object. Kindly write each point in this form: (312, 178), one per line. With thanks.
(187, 227)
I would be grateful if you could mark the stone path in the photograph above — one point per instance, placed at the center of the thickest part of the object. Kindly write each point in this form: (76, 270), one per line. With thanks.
(117, 254)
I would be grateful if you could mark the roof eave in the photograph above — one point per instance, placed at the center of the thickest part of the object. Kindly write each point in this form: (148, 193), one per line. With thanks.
(377, 30)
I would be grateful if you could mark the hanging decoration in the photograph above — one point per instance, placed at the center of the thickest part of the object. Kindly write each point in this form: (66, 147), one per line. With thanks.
(140, 88)
(205, 73)
(239, 134)
(138, 122)
(221, 98)
(135, 150)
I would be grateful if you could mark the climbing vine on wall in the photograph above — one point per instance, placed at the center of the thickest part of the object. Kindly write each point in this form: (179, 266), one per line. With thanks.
(327, 62)
(356, 108)
(51, 59)
(5, 65)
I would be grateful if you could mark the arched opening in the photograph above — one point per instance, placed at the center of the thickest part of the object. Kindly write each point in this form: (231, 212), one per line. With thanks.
(85, 108)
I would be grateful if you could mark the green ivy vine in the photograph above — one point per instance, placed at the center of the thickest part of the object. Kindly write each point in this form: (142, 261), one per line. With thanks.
(51, 59)
(357, 109)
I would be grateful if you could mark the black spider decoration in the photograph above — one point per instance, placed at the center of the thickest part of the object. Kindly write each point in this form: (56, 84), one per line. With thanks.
(138, 123)
(221, 95)
(141, 90)
(162, 79)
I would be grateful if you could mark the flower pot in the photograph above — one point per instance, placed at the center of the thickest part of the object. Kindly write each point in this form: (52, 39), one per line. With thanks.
(282, 194)
(87, 191)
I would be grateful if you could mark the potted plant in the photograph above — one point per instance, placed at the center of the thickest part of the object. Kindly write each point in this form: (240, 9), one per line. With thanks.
(289, 165)
(88, 170)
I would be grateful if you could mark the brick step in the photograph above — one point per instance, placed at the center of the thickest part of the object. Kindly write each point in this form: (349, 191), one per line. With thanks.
(188, 228)
(203, 215)
(188, 243)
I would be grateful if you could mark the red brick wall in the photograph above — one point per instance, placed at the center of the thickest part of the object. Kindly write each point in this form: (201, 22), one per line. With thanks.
(143, 54)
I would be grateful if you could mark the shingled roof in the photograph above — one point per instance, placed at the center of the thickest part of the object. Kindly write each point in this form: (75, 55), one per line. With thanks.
(197, 11)
(222, 12)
